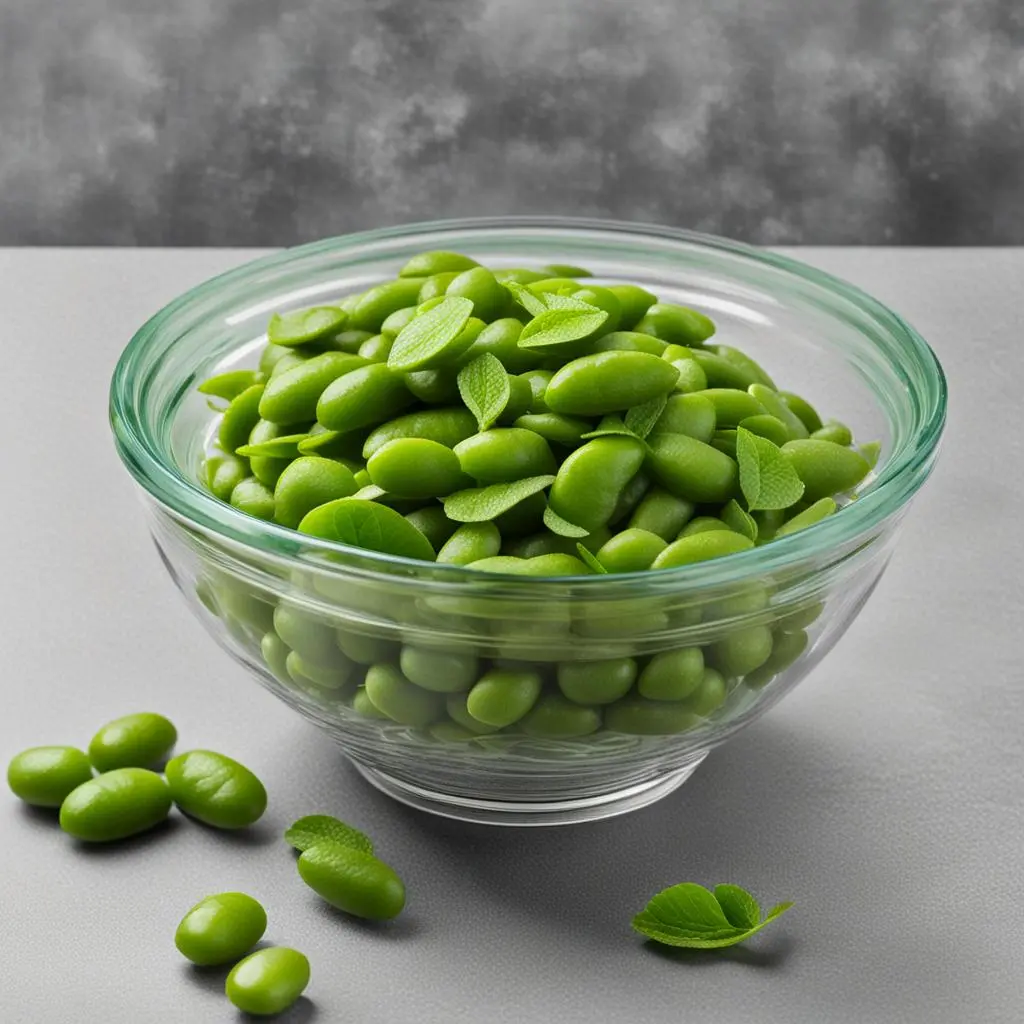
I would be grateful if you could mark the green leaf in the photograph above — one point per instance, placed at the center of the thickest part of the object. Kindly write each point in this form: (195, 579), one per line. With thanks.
(314, 829)
(481, 504)
(428, 337)
(688, 915)
(301, 326)
(314, 442)
(371, 492)
(642, 418)
(738, 519)
(485, 388)
(559, 326)
(231, 384)
(767, 478)
(739, 907)
(591, 559)
(365, 524)
(529, 300)
(609, 425)
(556, 524)
(284, 447)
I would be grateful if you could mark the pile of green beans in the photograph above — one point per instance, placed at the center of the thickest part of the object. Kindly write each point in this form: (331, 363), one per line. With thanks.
(422, 418)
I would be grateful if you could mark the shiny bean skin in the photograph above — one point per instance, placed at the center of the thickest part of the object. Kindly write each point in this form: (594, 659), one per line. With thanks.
(378, 303)
(538, 381)
(142, 740)
(638, 716)
(377, 348)
(677, 325)
(767, 426)
(825, 468)
(223, 473)
(661, 513)
(292, 396)
(691, 469)
(634, 302)
(562, 430)
(307, 482)
(701, 547)
(239, 418)
(628, 341)
(253, 498)
(732, 405)
(742, 651)
(437, 670)
(596, 682)
(433, 387)
(710, 695)
(268, 981)
(554, 716)
(786, 649)
(804, 410)
(501, 339)
(505, 454)
(220, 929)
(216, 789)
(693, 415)
(821, 509)
(837, 433)
(503, 696)
(438, 261)
(362, 397)
(402, 701)
(414, 467)
(745, 362)
(445, 426)
(608, 382)
(471, 542)
(436, 285)
(353, 881)
(433, 524)
(672, 675)
(590, 480)
(775, 405)
(44, 776)
(115, 805)
(478, 285)
(631, 550)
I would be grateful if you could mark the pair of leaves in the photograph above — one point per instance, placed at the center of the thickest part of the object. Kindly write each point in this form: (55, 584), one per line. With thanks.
(430, 337)
(638, 421)
(689, 915)
(317, 829)
(363, 523)
(482, 504)
(767, 478)
(557, 319)
(485, 389)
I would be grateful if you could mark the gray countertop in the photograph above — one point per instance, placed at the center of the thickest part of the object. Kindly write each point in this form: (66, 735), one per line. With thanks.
(885, 795)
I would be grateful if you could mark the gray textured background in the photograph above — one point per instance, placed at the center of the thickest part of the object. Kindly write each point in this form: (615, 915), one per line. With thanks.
(190, 122)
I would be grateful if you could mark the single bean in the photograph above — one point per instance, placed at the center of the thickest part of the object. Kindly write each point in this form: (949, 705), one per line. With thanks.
(253, 498)
(732, 405)
(414, 467)
(379, 302)
(268, 981)
(400, 318)
(505, 454)
(767, 426)
(640, 717)
(691, 469)
(520, 275)
(44, 776)
(678, 325)
(709, 695)
(362, 648)
(821, 509)
(223, 473)
(672, 675)
(239, 418)
(353, 881)
(457, 711)
(402, 701)
(834, 431)
(501, 339)
(433, 524)
(719, 372)
(313, 639)
(775, 405)
(478, 285)
(629, 498)
(292, 396)
(725, 442)
(702, 547)
(275, 653)
(602, 298)
(703, 524)
(554, 716)
(347, 341)
(596, 682)
(304, 326)
(555, 564)
(115, 805)
(800, 618)
(661, 513)
(377, 348)
(440, 671)
(141, 740)
(768, 521)
(333, 445)
(590, 480)
(629, 341)
(631, 550)
(519, 401)
(231, 384)
(503, 696)
(292, 358)
(362, 397)
(445, 426)
(267, 468)
(538, 381)
(220, 929)
(786, 648)
(557, 285)
(471, 542)
(362, 705)
(270, 356)
(608, 382)
(808, 416)
(307, 482)
(334, 676)
(436, 285)
(742, 651)
(693, 415)
(744, 362)
(564, 430)
(426, 264)
(215, 789)
(825, 468)
(634, 302)
(434, 387)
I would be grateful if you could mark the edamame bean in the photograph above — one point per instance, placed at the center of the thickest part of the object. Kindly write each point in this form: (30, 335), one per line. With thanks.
(702, 547)
(239, 418)
(413, 467)
(538, 381)
(640, 717)
(115, 805)
(810, 419)
(253, 498)
(267, 981)
(267, 468)
(378, 303)
(402, 701)
(519, 401)
(629, 498)
(223, 473)
(275, 653)
(526, 517)
(710, 695)
(742, 651)
(767, 426)
(602, 298)
(307, 482)
(631, 550)
(661, 513)
(691, 469)
(693, 415)
(134, 741)
(433, 524)
(590, 480)
(313, 639)
(825, 468)
(353, 881)
(554, 716)
(426, 264)
(503, 696)
(292, 396)
(731, 406)
(678, 325)
(786, 648)
(563, 430)
(215, 789)
(834, 431)
(504, 454)
(478, 285)
(744, 362)
(220, 929)
(304, 326)
(435, 286)
(44, 776)
(335, 676)
(362, 705)
(471, 542)
(362, 397)
(719, 372)
(347, 341)
(608, 382)
(445, 426)
(634, 302)
(672, 675)
(775, 405)
(439, 671)
(768, 521)
(703, 524)
(629, 341)
(821, 509)
(596, 682)
(377, 347)
(400, 318)
(362, 648)
(434, 387)
(501, 339)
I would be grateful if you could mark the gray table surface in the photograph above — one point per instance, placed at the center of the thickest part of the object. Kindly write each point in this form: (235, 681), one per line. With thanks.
(885, 795)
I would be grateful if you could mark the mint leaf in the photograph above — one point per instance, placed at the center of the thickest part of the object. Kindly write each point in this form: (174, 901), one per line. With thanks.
(590, 558)
(285, 447)
(536, 303)
(739, 520)
(642, 418)
(301, 326)
(314, 829)
(556, 524)
(767, 478)
(365, 524)
(559, 326)
(371, 492)
(688, 915)
(608, 425)
(481, 504)
(231, 384)
(428, 337)
(485, 388)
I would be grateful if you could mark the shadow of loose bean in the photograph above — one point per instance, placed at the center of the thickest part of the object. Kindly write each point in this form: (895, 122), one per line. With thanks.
(405, 926)
(132, 844)
(302, 1011)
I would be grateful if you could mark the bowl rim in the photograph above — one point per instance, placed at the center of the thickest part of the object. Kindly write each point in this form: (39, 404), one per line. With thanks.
(893, 488)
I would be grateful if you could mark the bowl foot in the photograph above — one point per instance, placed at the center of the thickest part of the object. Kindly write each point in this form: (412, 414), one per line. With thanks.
(502, 812)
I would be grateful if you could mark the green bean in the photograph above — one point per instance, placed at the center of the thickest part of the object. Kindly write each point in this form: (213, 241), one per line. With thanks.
(822, 508)
(433, 524)
(437, 670)
(44, 776)
(554, 716)
(253, 498)
(786, 649)
(292, 396)
(307, 482)
(640, 717)
(691, 469)
(362, 397)
(676, 324)
(672, 675)
(115, 805)
(661, 513)
(478, 285)
(825, 468)
(693, 415)
(596, 682)
(744, 362)
(268, 981)
(634, 302)
(445, 426)
(471, 542)
(141, 740)
(709, 695)
(562, 430)
(379, 302)
(426, 264)
(239, 418)
(402, 701)
(503, 696)
(742, 651)
(775, 405)
(215, 789)
(631, 550)
(804, 410)
(701, 547)
(414, 467)
(608, 382)
(505, 454)
(377, 347)
(837, 433)
(220, 929)
(590, 480)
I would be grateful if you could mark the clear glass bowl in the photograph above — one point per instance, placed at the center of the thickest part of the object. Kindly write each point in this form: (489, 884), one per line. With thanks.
(853, 358)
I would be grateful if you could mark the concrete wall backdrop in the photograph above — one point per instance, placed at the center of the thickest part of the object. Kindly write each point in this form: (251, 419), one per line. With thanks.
(237, 122)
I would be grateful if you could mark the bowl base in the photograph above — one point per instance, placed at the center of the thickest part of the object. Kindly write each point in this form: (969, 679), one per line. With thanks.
(502, 812)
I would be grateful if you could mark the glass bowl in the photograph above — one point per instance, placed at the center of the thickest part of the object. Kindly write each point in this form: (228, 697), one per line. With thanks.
(262, 590)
